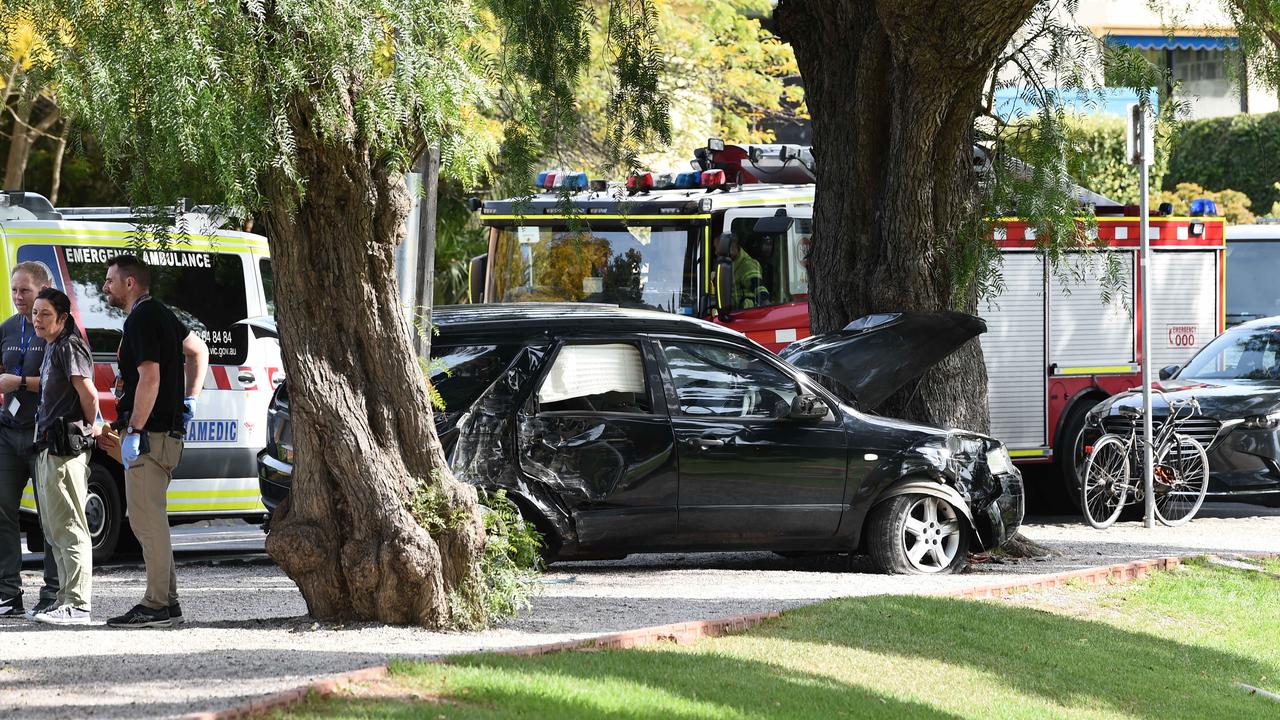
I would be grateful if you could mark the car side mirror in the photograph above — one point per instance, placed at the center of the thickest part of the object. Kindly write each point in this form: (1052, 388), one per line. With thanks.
(807, 408)
(777, 224)
(1169, 371)
(724, 287)
(477, 272)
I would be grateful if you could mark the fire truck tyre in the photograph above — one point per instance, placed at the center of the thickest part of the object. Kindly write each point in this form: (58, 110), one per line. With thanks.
(917, 535)
(1071, 459)
(104, 509)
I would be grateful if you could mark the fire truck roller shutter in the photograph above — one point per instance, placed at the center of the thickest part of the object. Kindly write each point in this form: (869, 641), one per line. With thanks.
(1184, 304)
(1013, 348)
(1085, 330)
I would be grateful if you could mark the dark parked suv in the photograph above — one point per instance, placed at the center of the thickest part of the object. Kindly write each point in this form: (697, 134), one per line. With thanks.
(619, 431)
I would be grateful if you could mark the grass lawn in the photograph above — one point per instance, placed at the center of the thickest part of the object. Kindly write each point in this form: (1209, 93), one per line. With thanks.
(1170, 646)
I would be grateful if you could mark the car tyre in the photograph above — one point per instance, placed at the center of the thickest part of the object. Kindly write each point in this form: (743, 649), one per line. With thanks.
(104, 511)
(917, 534)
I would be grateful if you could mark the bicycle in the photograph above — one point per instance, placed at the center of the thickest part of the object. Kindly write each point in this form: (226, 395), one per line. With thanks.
(1180, 470)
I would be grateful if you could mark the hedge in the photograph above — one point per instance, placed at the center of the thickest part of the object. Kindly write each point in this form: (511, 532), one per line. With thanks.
(1236, 151)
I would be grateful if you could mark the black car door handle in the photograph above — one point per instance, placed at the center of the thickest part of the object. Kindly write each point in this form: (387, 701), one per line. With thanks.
(709, 442)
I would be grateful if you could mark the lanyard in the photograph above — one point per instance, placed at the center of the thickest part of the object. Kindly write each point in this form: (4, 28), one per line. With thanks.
(139, 301)
(24, 340)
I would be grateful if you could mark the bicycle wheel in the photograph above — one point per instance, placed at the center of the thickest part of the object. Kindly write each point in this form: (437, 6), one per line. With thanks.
(1105, 486)
(1180, 480)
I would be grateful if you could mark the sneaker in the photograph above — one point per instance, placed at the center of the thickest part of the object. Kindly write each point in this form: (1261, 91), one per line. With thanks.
(11, 607)
(44, 605)
(142, 616)
(175, 614)
(64, 615)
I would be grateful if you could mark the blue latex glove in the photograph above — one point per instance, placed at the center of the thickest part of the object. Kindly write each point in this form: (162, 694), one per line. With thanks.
(130, 449)
(188, 409)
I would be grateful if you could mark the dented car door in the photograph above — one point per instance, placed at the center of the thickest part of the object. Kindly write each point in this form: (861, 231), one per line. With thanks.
(597, 430)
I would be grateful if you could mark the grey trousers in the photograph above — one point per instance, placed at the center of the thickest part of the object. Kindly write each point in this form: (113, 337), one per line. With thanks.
(17, 466)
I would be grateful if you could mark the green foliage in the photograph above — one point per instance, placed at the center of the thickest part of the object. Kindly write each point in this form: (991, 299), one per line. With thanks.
(1098, 162)
(510, 566)
(459, 237)
(1236, 151)
(1232, 204)
(177, 89)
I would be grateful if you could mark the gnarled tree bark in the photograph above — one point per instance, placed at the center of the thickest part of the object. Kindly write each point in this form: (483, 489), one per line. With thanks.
(893, 87)
(347, 536)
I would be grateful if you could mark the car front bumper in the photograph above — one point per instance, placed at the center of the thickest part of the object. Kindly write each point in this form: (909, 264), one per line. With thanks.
(1002, 517)
(275, 477)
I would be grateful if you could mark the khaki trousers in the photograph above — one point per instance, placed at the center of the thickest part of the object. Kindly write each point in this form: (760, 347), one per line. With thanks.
(64, 488)
(146, 488)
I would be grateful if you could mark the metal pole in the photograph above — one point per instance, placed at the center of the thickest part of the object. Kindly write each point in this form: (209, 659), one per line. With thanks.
(429, 167)
(1144, 278)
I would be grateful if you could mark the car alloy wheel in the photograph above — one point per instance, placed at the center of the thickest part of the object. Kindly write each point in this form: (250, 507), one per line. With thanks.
(931, 534)
(917, 534)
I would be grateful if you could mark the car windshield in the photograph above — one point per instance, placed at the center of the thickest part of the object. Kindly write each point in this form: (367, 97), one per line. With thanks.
(1241, 354)
(648, 267)
(1252, 291)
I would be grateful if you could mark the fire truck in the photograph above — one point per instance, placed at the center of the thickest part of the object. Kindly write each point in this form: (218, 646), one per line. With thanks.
(1060, 338)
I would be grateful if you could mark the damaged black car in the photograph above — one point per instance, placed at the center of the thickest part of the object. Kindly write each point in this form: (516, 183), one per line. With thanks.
(618, 431)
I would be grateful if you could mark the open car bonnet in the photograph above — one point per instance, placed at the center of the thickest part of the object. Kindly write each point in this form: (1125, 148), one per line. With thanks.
(263, 325)
(876, 355)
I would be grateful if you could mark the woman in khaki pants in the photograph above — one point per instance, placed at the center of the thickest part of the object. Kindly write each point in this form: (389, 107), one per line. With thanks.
(65, 426)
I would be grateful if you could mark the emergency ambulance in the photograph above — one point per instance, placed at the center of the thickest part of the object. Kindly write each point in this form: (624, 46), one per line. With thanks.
(1059, 338)
(212, 279)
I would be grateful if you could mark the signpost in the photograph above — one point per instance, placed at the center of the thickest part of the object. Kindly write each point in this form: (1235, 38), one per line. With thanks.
(1140, 141)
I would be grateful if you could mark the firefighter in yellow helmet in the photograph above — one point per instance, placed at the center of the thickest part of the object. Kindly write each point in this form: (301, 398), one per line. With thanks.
(748, 280)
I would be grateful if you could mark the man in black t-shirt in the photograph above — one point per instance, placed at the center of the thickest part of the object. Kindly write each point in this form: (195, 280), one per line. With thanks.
(162, 364)
(23, 353)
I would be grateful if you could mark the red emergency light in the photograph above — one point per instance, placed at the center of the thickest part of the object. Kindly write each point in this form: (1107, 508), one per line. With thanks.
(549, 181)
(639, 182)
(712, 178)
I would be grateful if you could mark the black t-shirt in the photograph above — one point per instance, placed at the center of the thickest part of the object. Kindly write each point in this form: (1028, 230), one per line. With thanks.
(152, 332)
(23, 355)
(66, 358)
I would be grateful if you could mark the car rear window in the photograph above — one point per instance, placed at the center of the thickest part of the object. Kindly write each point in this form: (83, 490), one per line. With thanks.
(460, 373)
(205, 290)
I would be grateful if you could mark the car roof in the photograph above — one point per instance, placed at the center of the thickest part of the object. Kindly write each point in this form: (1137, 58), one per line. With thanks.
(1266, 231)
(523, 320)
(1266, 323)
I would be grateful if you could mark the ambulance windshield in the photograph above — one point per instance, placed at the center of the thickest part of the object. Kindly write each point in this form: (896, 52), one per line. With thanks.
(646, 267)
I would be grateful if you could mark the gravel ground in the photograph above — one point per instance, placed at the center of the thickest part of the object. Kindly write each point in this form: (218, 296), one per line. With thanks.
(247, 634)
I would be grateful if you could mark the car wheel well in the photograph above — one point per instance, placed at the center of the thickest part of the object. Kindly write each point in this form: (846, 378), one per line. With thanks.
(917, 483)
(550, 537)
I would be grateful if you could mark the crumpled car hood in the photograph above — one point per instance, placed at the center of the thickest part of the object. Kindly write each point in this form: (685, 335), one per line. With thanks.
(875, 355)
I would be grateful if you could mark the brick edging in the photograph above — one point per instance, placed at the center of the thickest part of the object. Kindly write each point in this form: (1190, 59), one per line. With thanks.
(1124, 572)
(686, 632)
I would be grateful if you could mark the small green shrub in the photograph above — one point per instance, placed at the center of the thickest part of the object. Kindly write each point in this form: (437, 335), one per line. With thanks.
(1232, 204)
(509, 568)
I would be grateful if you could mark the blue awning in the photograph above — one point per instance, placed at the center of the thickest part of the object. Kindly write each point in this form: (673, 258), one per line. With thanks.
(1177, 42)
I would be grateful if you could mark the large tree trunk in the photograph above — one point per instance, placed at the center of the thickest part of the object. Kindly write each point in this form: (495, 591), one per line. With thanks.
(360, 411)
(893, 88)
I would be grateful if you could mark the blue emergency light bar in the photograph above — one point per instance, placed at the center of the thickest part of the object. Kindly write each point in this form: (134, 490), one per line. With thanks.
(1203, 206)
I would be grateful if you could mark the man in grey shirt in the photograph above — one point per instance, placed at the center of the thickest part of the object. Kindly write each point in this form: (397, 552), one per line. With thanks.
(23, 353)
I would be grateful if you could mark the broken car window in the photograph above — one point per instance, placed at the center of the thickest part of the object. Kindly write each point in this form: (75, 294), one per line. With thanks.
(721, 381)
(596, 378)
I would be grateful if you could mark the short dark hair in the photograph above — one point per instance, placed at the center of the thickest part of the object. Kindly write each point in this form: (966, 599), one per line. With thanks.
(131, 266)
(61, 305)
